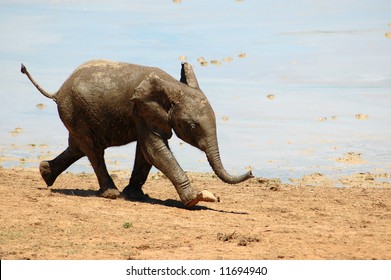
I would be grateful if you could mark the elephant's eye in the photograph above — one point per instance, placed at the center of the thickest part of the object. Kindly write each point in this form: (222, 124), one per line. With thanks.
(192, 126)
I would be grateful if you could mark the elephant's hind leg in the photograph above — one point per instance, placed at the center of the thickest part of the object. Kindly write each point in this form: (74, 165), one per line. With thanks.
(139, 175)
(95, 154)
(50, 170)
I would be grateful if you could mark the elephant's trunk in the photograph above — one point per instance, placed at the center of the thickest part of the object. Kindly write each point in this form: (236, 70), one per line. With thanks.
(213, 155)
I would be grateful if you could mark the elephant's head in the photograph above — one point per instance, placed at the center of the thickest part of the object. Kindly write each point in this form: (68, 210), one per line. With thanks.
(165, 105)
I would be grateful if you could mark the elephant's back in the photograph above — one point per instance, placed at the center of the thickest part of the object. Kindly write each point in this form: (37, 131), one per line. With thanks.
(102, 77)
(96, 63)
(106, 80)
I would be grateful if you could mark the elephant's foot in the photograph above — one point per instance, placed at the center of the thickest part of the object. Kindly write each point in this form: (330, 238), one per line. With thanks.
(111, 193)
(130, 193)
(46, 173)
(204, 195)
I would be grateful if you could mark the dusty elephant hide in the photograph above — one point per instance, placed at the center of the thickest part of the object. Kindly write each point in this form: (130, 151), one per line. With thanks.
(105, 103)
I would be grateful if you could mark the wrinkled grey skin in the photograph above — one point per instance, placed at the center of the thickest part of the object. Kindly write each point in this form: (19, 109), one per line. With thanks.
(105, 103)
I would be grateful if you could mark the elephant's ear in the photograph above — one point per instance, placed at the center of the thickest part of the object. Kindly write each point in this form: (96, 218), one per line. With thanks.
(187, 76)
(152, 106)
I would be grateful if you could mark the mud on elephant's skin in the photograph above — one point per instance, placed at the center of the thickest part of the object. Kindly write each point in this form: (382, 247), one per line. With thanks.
(105, 103)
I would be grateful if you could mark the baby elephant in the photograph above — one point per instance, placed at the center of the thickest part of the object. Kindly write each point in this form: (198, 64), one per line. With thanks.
(106, 103)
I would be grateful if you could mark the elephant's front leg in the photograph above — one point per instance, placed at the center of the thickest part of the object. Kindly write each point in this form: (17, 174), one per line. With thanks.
(139, 175)
(157, 153)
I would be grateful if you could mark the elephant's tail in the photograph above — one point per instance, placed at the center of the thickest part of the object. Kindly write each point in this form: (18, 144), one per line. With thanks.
(23, 69)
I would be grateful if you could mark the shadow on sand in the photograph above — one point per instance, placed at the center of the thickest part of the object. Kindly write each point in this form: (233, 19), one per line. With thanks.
(148, 199)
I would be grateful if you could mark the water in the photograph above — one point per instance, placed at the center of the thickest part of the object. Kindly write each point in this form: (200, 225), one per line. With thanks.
(323, 61)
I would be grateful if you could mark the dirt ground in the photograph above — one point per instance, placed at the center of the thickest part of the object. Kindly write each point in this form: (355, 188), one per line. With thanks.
(257, 219)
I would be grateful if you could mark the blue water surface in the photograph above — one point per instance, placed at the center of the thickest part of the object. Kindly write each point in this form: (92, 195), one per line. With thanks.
(324, 62)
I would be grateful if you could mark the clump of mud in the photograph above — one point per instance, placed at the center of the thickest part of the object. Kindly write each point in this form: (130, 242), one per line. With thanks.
(362, 116)
(224, 118)
(314, 180)
(216, 62)
(242, 240)
(40, 106)
(363, 180)
(351, 158)
(271, 96)
(366, 179)
(242, 55)
(202, 61)
(16, 131)
(208, 196)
